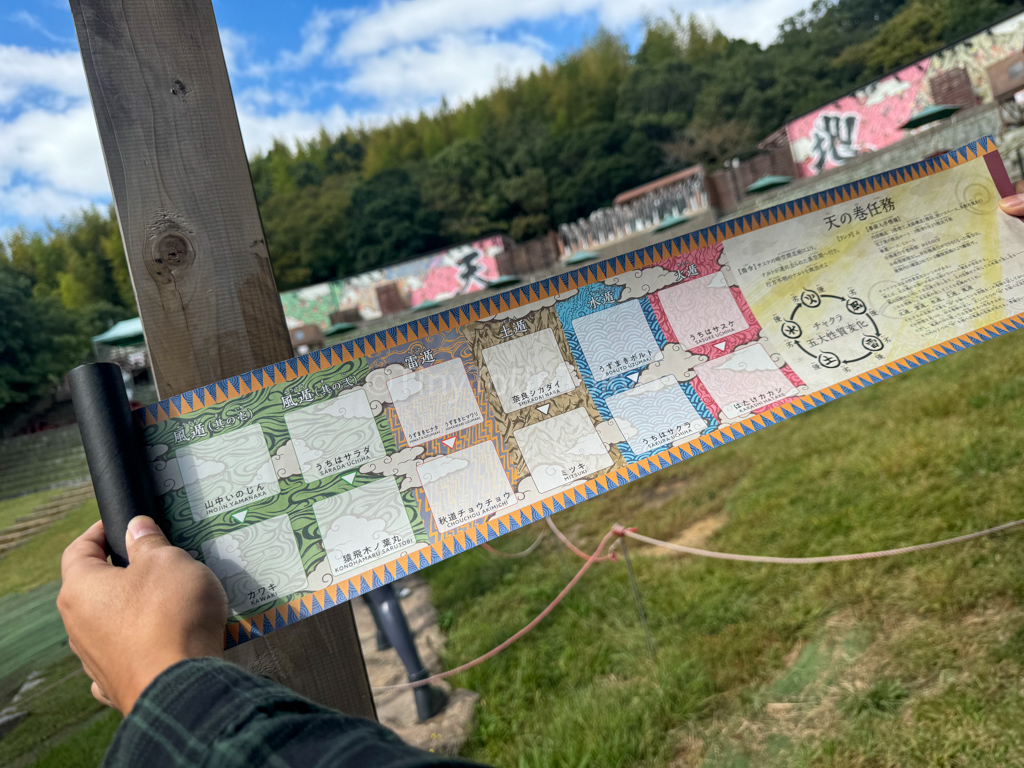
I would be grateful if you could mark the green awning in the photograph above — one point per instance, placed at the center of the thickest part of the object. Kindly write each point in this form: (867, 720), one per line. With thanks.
(670, 222)
(123, 334)
(580, 256)
(930, 115)
(337, 328)
(768, 182)
(504, 281)
(427, 305)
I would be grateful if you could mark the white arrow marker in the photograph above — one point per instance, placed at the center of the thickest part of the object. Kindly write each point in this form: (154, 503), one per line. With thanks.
(544, 408)
(349, 477)
(720, 345)
(240, 516)
(449, 442)
(634, 376)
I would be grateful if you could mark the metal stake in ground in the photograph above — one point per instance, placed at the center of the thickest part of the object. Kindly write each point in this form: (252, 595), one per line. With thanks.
(639, 600)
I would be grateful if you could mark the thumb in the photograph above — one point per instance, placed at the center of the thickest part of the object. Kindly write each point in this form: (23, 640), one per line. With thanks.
(143, 535)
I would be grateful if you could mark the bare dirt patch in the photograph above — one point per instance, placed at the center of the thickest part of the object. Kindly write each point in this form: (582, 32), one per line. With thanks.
(696, 535)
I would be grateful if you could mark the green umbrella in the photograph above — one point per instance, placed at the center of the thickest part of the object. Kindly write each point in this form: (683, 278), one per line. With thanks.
(670, 222)
(427, 305)
(930, 115)
(768, 182)
(580, 256)
(337, 328)
(505, 280)
(124, 334)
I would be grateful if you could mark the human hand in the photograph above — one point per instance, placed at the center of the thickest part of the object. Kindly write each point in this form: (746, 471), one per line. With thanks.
(1014, 204)
(128, 625)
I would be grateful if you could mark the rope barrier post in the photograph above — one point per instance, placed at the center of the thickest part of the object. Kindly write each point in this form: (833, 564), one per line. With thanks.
(636, 594)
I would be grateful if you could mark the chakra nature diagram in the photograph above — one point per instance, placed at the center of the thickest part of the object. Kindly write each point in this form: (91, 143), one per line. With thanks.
(309, 482)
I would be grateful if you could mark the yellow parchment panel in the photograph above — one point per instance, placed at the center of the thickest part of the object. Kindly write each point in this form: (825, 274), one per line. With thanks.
(859, 284)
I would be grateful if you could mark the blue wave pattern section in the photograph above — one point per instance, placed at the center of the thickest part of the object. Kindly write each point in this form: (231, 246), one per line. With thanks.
(595, 298)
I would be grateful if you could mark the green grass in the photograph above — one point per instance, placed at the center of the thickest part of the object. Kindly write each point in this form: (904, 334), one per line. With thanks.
(32, 634)
(915, 660)
(54, 715)
(12, 509)
(65, 725)
(37, 561)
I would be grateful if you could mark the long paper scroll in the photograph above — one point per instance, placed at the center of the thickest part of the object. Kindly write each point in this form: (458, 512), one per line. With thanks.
(309, 482)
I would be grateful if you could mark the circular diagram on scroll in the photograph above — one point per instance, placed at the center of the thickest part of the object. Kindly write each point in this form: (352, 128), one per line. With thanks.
(834, 330)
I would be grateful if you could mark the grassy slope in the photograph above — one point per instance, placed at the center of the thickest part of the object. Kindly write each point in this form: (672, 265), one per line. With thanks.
(915, 660)
(66, 726)
(911, 660)
(12, 509)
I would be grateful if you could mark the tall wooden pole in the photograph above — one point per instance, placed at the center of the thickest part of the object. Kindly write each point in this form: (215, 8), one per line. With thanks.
(197, 255)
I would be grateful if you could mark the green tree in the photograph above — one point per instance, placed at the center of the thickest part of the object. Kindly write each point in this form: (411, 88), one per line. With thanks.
(41, 341)
(914, 32)
(536, 151)
(388, 222)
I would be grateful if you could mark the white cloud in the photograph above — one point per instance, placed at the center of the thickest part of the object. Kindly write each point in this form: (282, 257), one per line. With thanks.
(457, 68)
(60, 74)
(60, 149)
(236, 50)
(361, 66)
(410, 21)
(754, 20)
(37, 202)
(33, 23)
(259, 129)
(315, 39)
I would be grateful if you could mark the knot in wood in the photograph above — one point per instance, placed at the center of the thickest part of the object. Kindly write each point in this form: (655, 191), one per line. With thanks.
(172, 252)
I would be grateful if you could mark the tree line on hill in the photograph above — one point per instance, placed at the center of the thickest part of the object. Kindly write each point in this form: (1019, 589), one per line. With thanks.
(536, 151)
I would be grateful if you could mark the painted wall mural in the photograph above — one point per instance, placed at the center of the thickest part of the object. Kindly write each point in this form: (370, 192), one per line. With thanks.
(455, 271)
(870, 118)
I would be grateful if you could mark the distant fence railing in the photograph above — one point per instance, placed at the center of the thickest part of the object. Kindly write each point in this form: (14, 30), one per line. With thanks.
(41, 460)
(606, 225)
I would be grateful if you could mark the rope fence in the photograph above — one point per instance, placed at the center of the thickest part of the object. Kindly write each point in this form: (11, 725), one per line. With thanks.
(618, 532)
(512, 555)
(631, 533)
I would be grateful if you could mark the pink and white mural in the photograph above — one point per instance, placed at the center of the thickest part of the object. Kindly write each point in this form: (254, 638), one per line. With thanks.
(870, 118)
(437, 276)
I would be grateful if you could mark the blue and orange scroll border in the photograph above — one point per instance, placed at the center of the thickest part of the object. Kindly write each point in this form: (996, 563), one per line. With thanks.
(448, 320)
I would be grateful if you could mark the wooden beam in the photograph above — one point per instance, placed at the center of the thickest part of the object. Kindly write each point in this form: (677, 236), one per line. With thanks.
(197, 255)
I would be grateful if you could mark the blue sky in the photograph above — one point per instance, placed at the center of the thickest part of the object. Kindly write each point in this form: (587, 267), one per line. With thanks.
(296, 66)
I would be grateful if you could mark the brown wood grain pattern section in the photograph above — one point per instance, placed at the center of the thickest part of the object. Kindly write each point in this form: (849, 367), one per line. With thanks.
(197, 256)
(192, 232)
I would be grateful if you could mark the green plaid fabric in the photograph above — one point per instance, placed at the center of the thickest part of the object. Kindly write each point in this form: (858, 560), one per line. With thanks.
(206, 712)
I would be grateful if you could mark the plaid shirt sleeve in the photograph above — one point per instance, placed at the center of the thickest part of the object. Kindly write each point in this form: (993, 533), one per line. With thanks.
(206, 712)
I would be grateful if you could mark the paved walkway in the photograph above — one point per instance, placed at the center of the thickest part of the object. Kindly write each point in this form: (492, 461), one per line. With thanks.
(444, 733)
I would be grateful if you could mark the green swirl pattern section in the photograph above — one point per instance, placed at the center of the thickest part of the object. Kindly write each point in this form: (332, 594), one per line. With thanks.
(235, 477)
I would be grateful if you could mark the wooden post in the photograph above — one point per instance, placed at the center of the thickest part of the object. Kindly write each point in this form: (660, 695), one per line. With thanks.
(197, 256)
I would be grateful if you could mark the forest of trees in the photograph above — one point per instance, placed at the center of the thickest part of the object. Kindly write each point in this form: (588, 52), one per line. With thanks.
(537, 151)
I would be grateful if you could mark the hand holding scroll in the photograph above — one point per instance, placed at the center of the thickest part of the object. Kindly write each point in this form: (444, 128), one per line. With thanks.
(128, 625)
(1014, 204)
